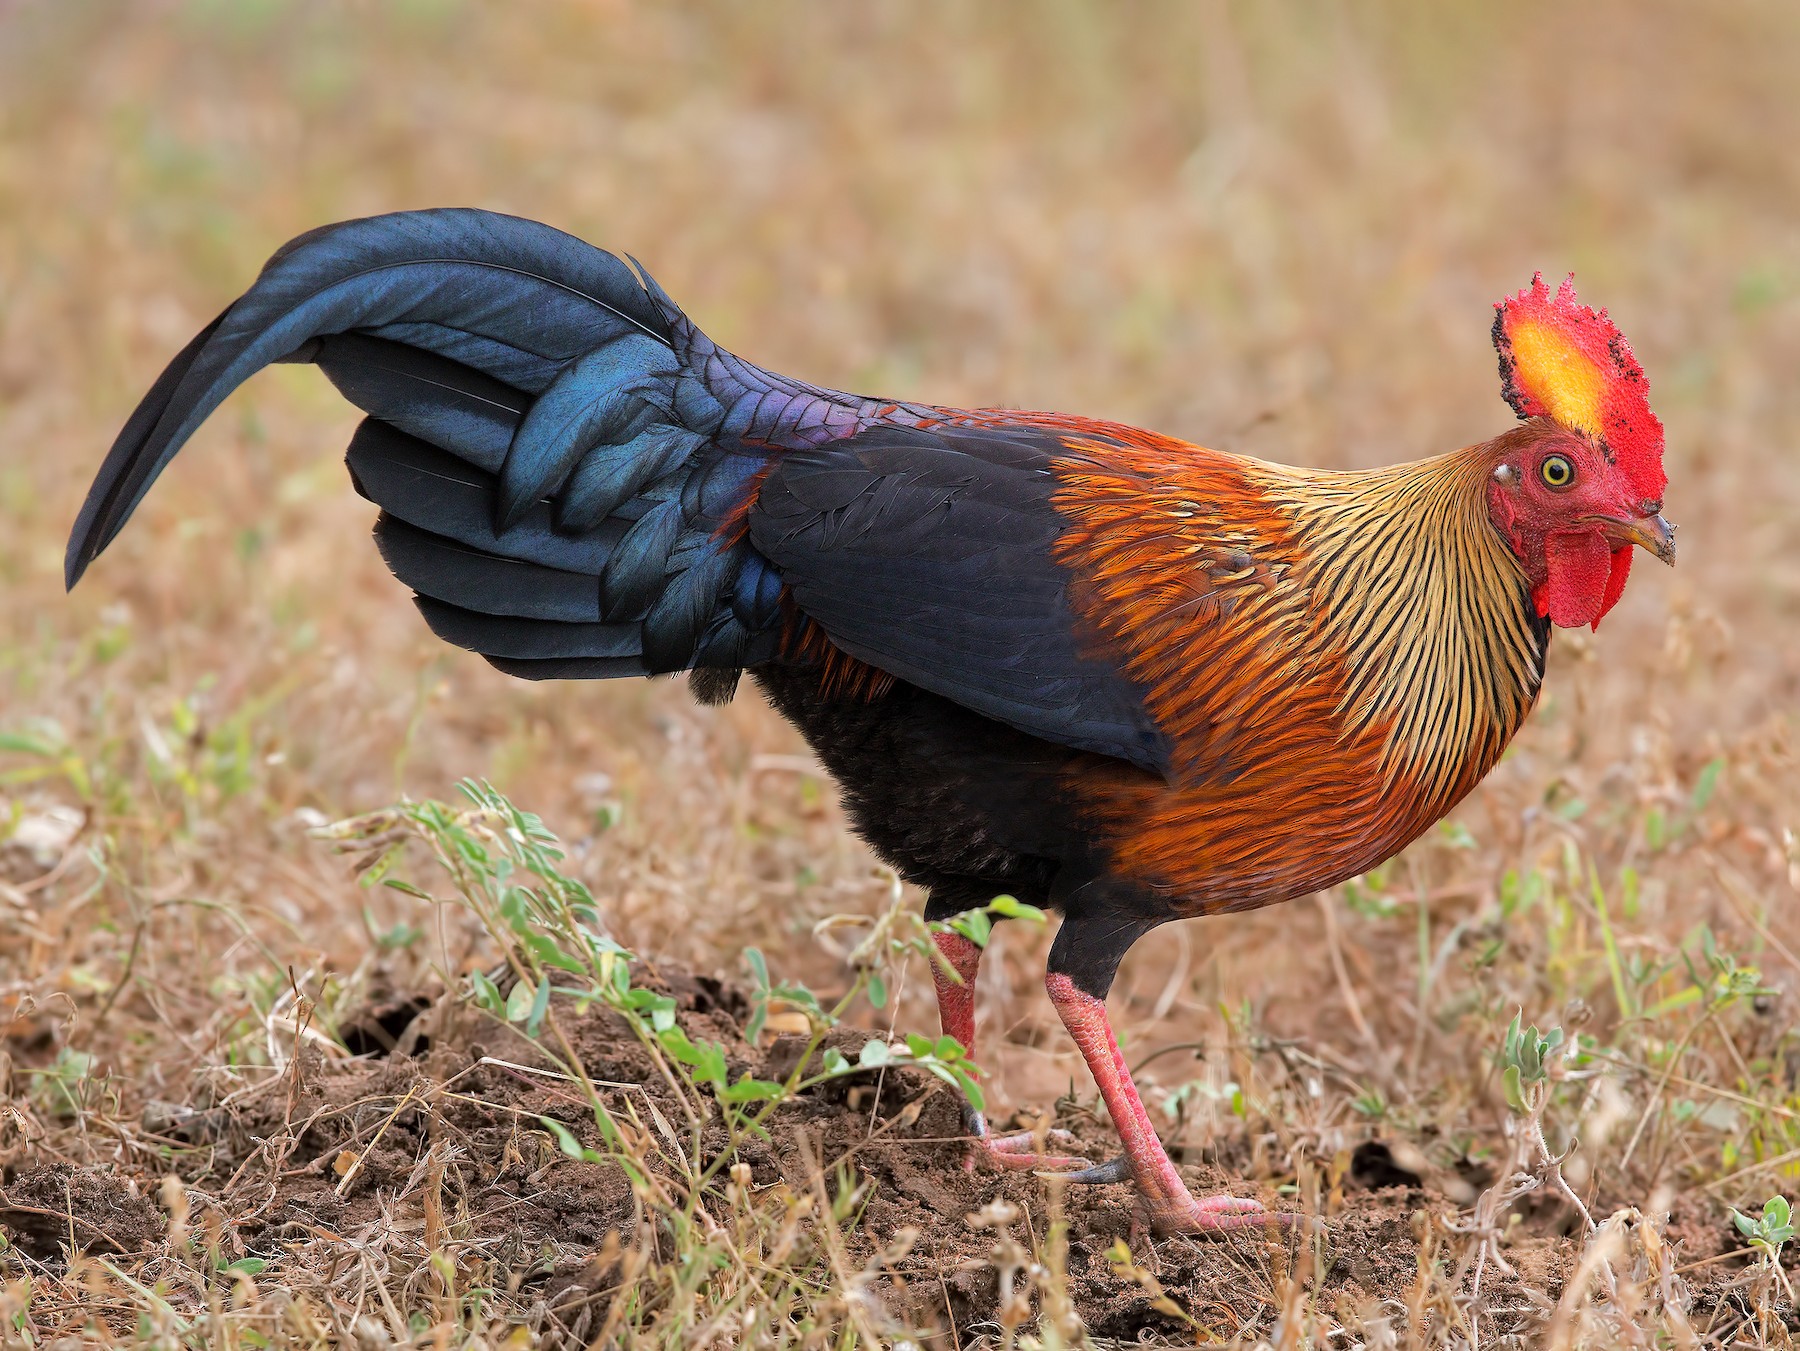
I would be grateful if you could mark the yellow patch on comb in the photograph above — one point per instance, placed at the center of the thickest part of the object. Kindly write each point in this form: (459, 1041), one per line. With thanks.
(1558, 374)
(1561, 360)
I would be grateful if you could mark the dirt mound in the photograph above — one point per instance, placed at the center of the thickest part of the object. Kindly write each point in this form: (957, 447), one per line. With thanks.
(51, 1208)
(442, 1138)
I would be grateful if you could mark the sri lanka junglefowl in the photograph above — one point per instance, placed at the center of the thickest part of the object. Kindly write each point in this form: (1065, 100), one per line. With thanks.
(1110, 673)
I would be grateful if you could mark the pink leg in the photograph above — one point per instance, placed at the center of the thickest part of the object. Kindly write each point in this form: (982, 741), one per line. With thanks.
(956, 1013)
(1167, 1203)
(956, 998)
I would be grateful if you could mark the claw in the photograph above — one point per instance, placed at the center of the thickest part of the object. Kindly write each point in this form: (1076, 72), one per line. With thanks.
(1113, 1170)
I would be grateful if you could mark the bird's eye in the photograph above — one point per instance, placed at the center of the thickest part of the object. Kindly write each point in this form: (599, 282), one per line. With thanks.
(1557, 471)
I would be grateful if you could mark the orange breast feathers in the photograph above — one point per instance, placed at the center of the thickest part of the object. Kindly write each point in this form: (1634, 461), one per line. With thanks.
(1196, 576)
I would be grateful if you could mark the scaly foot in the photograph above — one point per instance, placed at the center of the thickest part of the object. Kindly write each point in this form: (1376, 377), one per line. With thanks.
(1164, 1201)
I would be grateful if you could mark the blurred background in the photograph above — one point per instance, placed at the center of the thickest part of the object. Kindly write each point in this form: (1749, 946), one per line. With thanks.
(1275, 229)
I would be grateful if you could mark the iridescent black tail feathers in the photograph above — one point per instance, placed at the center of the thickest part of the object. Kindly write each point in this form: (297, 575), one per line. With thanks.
(556, 479)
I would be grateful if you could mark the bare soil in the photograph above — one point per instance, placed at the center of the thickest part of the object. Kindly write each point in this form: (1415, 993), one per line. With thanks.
(432, 1131)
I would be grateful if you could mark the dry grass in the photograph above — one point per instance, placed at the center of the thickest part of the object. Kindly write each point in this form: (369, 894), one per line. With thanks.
(1274, 229)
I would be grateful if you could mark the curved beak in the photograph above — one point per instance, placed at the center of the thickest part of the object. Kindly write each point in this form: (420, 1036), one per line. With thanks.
(1648, 532)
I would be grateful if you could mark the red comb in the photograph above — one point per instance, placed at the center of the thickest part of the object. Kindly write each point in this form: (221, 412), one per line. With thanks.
(1561, 360)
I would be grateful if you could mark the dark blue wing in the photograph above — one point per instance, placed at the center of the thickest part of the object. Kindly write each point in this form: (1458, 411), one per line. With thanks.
(927, 553)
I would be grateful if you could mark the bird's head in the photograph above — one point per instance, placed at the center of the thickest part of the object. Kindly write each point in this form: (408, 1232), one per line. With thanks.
(1582, 481)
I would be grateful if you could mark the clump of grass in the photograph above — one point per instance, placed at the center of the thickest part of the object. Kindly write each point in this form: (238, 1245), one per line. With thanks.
(711, 1253)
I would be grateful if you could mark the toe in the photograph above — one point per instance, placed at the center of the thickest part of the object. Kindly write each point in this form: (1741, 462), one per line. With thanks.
(1027, 1142)
(1216, 1215)
(1021, 1150)
(1050, 1165)
(1230, 1205)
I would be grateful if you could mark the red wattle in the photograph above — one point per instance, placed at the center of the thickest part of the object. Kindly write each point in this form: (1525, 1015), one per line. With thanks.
(1615, 581)
(1581, 584)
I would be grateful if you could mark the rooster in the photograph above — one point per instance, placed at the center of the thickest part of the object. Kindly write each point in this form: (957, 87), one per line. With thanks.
(1110, 673)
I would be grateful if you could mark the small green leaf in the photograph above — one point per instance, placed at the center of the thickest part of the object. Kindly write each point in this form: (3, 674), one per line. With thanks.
(676, 1043)
(487, 994)
(566, 1141)
(609, 1129)
(971, 1090)
(709, 1065)
(759, 967)
(520, 1001)
(1011, 907)
(540, 1005)
(546, 950)
(21, 744)
(943, 1072)
(874, 1053)
(877, 991)
(1706, 783)
(974, 926)
(1456, 835)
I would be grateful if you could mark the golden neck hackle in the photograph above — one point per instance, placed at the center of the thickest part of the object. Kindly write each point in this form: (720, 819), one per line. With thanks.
(1412, 583)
